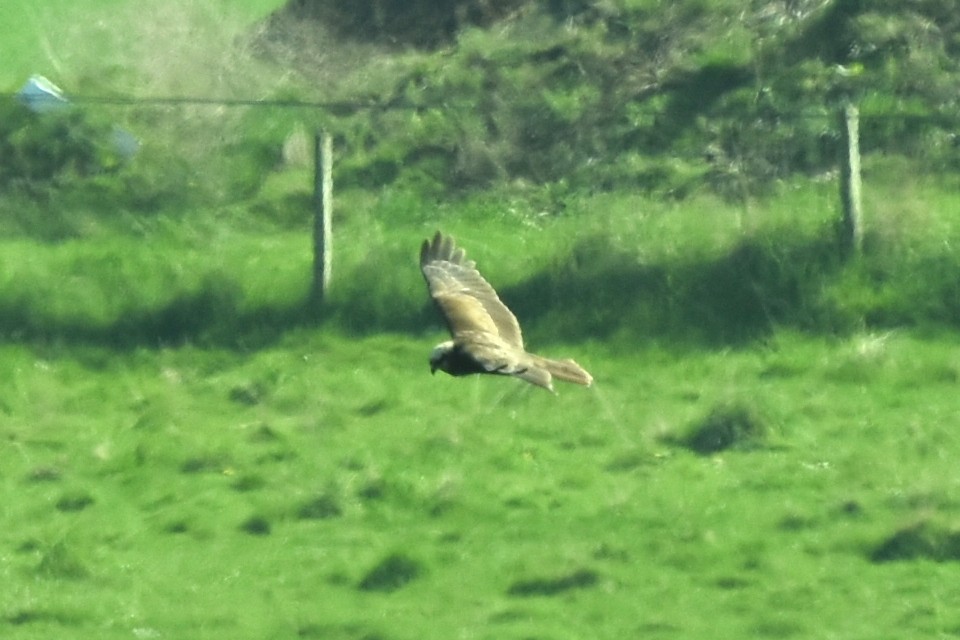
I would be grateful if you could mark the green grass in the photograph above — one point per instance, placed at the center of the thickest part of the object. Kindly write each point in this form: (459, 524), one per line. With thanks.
(231, 468)
(769, 449)
(262, 474)
(216, 494)
(623, 266)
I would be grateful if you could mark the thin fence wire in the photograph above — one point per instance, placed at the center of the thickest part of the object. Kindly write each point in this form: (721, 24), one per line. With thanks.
(222, 157)
(399, 104)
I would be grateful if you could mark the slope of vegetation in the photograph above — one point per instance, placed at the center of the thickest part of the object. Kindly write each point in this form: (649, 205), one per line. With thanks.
(535, 117)
(598, 93)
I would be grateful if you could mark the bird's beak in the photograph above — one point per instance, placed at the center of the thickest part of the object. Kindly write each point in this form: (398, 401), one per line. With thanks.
(433, 368)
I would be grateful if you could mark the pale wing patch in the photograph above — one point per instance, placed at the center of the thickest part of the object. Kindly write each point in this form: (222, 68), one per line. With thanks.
(464, 313)
(454, 282)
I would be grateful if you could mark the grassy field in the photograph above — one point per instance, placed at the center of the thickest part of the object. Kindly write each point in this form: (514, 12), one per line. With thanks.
(769, 449)
(327, 487)
(188, 454)
(265, 475)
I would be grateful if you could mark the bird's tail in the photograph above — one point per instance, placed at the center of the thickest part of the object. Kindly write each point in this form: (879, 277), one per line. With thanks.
(564, 370)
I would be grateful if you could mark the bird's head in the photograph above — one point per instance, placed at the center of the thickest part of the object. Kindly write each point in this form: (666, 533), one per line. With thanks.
(438, 357)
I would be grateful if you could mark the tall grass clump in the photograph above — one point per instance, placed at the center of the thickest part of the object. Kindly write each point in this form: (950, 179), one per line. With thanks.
(734, 425)
(906, 276)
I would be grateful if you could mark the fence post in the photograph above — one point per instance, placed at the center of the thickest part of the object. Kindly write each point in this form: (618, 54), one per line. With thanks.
(322, 217)
(852, 223)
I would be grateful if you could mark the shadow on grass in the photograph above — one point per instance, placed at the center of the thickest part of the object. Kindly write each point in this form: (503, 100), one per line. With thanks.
(580, 579)
(735, 297)
(921, 540)
(208, 316)
(732, 298)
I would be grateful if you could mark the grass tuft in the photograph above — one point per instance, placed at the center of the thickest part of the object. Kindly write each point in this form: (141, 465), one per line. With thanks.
(74, 501)
(256, 525)
(921, 540)
(58, 561)
(320, 507)
(580, 579)
(37, 616)
(728, 426)
(391, 573)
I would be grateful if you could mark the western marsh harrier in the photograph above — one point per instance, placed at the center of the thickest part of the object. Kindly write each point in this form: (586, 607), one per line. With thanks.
(486, 335)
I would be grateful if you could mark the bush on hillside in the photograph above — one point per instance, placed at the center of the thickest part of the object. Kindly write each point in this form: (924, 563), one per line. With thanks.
(421, 23)
(664, 98)
(58, 167)
(56, 146)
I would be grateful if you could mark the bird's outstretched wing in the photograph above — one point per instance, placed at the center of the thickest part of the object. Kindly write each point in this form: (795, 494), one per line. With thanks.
(466, 300)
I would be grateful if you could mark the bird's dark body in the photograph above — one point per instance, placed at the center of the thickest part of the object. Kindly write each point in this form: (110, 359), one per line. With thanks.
(459, 362)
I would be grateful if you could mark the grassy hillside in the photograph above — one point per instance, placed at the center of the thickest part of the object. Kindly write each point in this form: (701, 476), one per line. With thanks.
(190, 451)
(595, 94)
(583, 95)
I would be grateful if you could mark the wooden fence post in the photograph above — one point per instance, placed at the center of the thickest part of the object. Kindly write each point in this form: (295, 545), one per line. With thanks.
(323, 214)
(852, 223)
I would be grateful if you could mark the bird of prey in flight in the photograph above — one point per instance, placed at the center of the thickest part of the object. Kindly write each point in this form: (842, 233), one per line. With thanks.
(486, 335)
